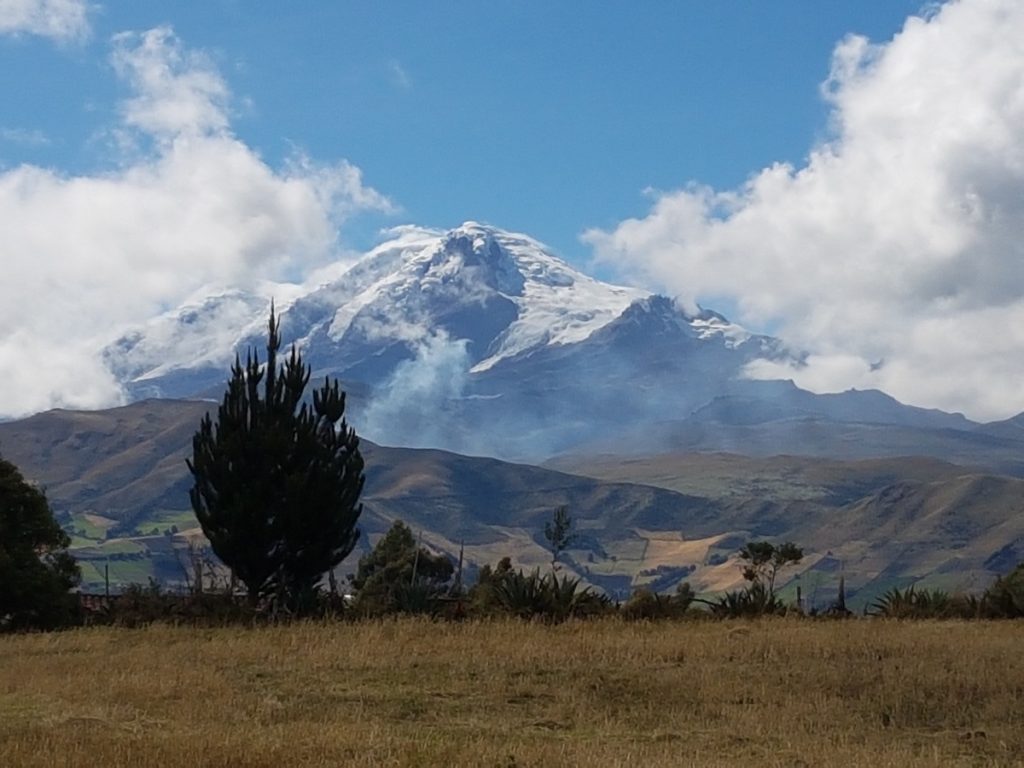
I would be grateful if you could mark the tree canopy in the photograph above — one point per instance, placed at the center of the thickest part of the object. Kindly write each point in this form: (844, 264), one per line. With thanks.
(276, 479)
(763, 561)
(36, 571)
(559, 534)
(398, 575)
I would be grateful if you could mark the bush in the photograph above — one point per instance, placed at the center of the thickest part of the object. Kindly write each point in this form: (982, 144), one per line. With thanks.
(36, 571)
(398, 576)
(1005, 598)
(482, 598)
(750, 602)
(646, 605)
(913, 603)
(534, 596)
(140, 605)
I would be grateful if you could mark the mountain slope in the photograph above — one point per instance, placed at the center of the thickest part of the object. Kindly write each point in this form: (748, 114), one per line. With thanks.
(882, 523)
(118, 481)
(121, 463)
(815, 436)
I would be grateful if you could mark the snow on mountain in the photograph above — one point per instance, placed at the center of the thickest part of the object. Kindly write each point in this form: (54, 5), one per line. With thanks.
(482, 341)
(557, 304)
(198, 335)
(501, 293)
(444, 339)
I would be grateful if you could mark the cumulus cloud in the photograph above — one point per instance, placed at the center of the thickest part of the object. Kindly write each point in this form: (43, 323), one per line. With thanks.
(177, 92)
(61, 20)
(191, 206)
(895, 254)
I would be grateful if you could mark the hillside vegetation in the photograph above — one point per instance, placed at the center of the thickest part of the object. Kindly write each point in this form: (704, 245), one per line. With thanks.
(118, 483)
(413, 693)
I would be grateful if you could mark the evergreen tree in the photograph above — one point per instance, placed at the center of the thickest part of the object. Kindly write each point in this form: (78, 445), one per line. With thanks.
(397, 575)
(36, 571)
(277, 480)
(559, 534)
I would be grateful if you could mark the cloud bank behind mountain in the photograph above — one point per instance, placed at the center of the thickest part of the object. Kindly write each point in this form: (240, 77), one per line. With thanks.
(189, 206)
(895, 253)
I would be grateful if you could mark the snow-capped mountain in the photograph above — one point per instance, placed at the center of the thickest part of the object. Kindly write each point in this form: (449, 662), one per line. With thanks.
(175, 354)
(496, 295)
(504, 293)
(500, 294)
(482, 341)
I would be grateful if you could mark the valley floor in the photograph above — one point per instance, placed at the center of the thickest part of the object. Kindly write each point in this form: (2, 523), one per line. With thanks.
(605, 693)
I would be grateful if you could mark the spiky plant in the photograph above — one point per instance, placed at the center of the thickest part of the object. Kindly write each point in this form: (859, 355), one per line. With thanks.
(754, 600)
(522, 594)
(913, 603)
(549, 597)
(568, 600)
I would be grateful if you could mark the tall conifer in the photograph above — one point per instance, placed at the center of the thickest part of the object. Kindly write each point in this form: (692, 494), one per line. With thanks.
(277, 480)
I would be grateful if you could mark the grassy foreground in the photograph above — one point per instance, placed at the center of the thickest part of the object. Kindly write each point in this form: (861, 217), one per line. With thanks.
(605, 693)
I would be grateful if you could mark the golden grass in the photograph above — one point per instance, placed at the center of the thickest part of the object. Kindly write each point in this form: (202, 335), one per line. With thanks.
(607, 693)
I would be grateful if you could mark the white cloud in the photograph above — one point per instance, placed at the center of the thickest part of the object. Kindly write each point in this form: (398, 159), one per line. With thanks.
(896, 253)
(85, 255)
(23, 136)
(399, 75)
(61, 20)
(177, 91)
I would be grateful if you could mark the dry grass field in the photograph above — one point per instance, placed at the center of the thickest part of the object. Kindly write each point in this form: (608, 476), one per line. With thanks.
(605, 693)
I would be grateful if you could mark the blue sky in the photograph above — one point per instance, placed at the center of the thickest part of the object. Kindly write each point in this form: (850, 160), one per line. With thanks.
(846, 175)
(542, 117)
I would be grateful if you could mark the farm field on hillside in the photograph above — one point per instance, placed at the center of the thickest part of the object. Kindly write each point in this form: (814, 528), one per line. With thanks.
(415, 693)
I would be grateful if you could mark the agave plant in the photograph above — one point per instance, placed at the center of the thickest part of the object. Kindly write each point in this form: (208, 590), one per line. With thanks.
(417, 598)
(970, 606)
(912, 603)
(562, 596)
(530, 595)
(521, 594)
(755, 600)
(580, 602)
(895, 603)
(647, 604)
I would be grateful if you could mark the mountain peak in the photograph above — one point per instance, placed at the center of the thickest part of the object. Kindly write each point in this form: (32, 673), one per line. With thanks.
(475, 229)
(487, 293)
(503, 291)
(473, 250)
(655, 308)
(655, 314)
